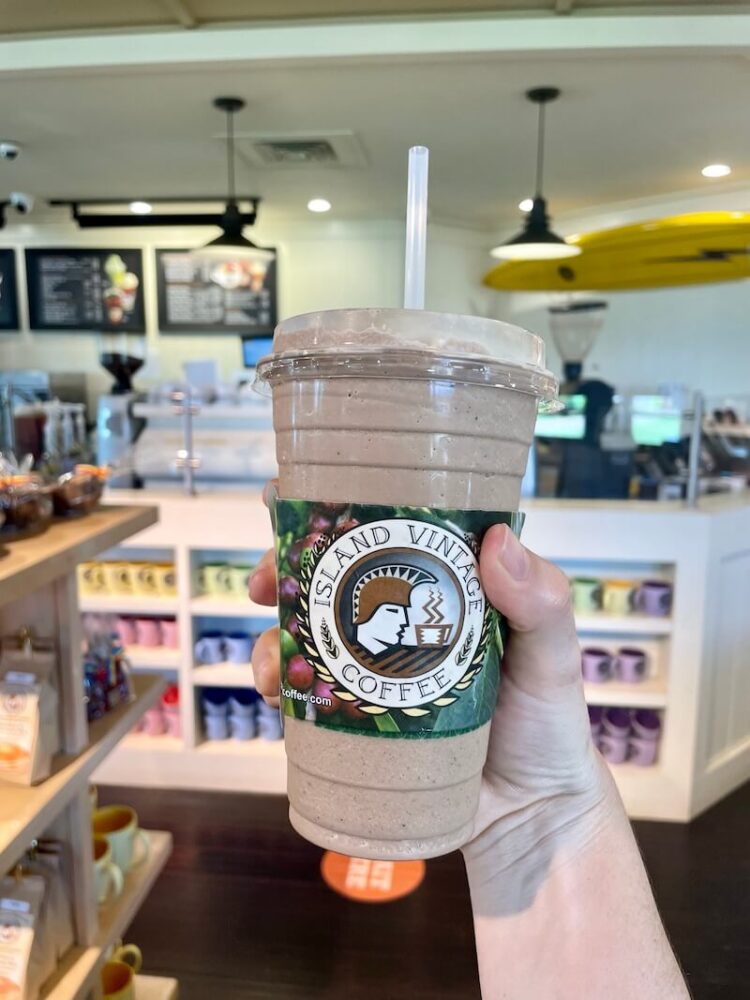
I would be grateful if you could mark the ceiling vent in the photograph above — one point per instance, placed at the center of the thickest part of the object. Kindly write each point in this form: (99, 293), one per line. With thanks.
(298, 149)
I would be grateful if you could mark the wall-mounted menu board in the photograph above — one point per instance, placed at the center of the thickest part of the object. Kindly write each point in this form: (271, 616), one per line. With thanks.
(85, 289)
(216, 293)
(8, 290)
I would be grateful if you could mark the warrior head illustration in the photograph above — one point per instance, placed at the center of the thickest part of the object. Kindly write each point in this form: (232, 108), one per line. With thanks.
(380, 603)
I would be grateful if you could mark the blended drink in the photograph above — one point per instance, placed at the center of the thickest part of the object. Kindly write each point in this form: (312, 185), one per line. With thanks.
(401, 437)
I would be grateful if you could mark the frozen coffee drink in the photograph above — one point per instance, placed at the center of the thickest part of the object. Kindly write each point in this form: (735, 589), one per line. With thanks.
(401, 437)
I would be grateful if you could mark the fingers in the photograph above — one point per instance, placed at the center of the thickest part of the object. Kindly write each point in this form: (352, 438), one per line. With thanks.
(534, 596)
(266, 665)
(262, 586)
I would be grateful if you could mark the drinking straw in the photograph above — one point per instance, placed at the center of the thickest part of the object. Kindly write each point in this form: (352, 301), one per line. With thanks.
(416, 228)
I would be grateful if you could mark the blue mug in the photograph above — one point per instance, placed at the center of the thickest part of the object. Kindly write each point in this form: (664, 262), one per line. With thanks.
(216, 727)
(243, 727)
(238, 647)
(210, 648)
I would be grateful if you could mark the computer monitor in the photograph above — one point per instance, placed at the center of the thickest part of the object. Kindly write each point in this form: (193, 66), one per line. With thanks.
(655, 420)
(255, 348)
(569, 424)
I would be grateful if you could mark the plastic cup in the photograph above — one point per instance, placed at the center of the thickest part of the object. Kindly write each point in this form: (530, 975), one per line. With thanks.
(398, 407)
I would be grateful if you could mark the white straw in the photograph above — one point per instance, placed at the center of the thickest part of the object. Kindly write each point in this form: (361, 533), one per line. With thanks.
(416, 228)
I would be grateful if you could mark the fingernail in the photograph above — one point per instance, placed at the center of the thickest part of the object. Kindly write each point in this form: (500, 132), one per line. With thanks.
(514, 558)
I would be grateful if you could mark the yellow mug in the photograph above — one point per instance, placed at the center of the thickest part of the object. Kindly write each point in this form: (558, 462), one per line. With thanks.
(166, 579)
(118, 577)
(617, 598)
(90, 578)
(119, 824)
(118, 978)
(144, 579)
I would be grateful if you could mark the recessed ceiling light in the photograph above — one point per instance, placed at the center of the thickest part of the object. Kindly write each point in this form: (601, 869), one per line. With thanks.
(319, 205)
(717, 170)
(140, 207)
(526, 205)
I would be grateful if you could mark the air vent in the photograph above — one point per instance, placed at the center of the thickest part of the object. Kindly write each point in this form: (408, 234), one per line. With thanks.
(297, 151)
(301, 149)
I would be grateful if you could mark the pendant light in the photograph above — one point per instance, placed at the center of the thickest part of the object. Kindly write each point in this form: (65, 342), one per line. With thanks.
(537, 241)
(232, 222)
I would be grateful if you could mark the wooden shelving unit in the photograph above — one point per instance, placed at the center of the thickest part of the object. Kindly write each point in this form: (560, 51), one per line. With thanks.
(38, 590)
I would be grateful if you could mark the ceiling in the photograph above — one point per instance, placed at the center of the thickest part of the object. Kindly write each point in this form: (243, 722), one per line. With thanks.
(627, 127)
(45, 16)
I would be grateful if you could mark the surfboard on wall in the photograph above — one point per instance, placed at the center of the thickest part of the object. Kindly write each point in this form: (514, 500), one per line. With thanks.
(691, 249)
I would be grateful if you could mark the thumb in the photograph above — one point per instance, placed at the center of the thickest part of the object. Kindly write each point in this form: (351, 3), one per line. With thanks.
(542, 653)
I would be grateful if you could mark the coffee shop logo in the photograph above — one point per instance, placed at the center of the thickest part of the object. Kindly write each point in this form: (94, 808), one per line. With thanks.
(394, 616)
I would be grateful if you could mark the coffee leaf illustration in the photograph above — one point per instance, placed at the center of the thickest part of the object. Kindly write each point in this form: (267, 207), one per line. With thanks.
(444, 702)
(415, 713)
(345, 695)
(463, 654)
(373, 709)
(325, 634)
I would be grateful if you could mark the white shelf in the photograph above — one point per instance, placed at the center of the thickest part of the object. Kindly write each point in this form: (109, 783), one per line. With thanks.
(128, 604)
(26, 812)
(230, 607)
(648, 693)
(155, 988)
(153, 657)
(237, 675)
(153, 744)
(624, 624)
(77, 971)
(242, 748)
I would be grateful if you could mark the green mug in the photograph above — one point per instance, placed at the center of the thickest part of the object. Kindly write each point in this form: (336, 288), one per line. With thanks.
(239, 580)
(215, 579)
(587, 594)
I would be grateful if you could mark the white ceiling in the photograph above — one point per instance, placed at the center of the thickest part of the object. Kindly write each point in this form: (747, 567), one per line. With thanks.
(627, 127)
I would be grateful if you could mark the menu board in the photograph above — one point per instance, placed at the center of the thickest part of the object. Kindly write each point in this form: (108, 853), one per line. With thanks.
(227, 293)
(8, 290)
(85, 289)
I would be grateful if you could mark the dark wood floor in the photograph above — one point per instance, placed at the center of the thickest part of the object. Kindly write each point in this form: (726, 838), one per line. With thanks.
(241, 911)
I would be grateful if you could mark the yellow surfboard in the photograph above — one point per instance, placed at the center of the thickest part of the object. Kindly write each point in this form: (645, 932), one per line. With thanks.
(691, 249)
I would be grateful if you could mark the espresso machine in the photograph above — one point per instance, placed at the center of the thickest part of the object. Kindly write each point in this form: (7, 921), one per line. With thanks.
(122, 355)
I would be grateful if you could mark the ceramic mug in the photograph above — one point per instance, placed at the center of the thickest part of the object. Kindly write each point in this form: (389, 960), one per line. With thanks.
(596, 664)
(170, 633)
(613, 740)
(118, 577)
(166, 579)
(126, 632)
(148, 632)
(239, 580)
(108, 879)
(238, 647)
(118, 981)
(119, 824)
(153, 722)
(129, 954)
(144, 579)
(91, 578)
(617, 597)
(243, 727)
(631, 664)
(643, 748)
(209, 648)
(654, 597)
(215, 704)
(595, 719)
(214, 579)
(587, 594)
(217, 727)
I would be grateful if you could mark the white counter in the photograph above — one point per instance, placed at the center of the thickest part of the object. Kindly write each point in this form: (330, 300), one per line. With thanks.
(700, 675)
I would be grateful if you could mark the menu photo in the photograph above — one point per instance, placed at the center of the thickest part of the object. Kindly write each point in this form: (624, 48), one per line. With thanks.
(8, 290)
(85, 289)
(212, 292)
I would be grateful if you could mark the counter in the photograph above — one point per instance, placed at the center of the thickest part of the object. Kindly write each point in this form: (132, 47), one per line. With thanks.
(699, 675)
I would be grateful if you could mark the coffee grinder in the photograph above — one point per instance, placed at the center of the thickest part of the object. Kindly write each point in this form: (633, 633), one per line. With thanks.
(122, 355)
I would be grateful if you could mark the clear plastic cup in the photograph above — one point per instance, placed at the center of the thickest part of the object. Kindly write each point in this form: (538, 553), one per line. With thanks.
(398, 407)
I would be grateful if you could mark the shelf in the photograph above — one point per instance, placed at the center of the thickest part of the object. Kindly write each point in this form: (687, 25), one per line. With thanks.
(649, 693)
(153, 657)
(155, 988)
(237, 675)
(230, 607)
(153, 744)
(26, 812)
(624, 624)
(242, 748)
(36, 562)
(128, 604)
(77, 971)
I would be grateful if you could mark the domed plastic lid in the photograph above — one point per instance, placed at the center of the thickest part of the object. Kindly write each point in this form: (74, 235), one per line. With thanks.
(402, 343)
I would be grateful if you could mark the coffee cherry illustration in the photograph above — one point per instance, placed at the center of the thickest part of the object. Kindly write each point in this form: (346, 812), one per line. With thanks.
(288, 591)
(323, 690)
(299, 674)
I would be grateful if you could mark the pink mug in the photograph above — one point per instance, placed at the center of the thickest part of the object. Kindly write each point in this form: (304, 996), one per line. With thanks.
(148, 632)
(154, 723)
(126, 631)
(170, 636)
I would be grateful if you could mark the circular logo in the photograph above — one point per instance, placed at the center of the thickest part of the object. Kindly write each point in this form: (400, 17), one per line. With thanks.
(396, 609)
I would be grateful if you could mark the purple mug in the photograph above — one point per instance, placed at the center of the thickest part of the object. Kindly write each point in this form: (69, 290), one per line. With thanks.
(654, 597)
(596, 713)
(630, 664)
(596, 664)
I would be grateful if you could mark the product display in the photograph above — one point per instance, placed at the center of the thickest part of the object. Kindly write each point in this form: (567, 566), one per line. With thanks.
(106, 671)
(240, 714)
(218, 647)
(224, 580)
(621, 597)
(628, 664)
(624, 734)
(115, 577)
(398, 433)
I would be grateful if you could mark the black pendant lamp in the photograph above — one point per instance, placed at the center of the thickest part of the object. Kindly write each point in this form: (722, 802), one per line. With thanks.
(232, 222)
(537, 241)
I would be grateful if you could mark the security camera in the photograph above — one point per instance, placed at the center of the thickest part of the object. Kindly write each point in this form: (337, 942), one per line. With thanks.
(23, 203)
(9, 150)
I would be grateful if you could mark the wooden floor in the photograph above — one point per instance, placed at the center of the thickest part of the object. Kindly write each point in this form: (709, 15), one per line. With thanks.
(241, 911)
